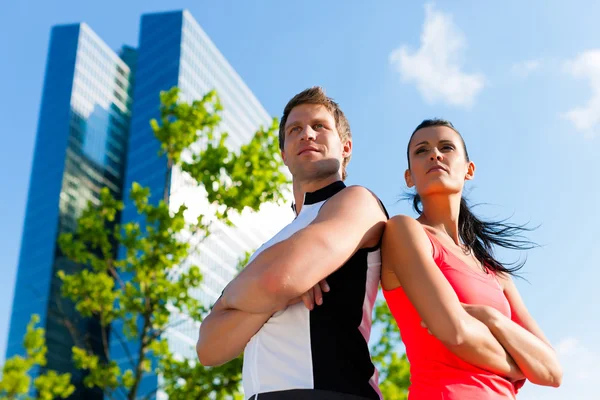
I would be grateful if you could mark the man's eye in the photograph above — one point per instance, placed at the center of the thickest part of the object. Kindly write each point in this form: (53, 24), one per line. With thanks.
(318, 126)
(295, 129)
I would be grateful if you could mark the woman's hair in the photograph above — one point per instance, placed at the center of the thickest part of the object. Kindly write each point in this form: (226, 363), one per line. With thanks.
(480, 236)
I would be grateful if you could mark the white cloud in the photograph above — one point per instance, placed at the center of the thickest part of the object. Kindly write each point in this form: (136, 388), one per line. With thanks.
(435, 67)
(578, 360)
(582, 361)
(586, 66)
(525, 68)
(566, 346)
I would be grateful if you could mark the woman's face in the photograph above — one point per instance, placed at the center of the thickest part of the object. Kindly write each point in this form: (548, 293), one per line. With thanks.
(437, 162)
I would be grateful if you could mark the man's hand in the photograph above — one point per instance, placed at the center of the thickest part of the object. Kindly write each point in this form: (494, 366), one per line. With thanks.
(313, 296)
(286, 270)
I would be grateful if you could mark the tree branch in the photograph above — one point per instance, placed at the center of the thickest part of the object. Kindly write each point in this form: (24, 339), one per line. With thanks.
(121, 390)
(104, 340)
(124, 347)
(156, 334)
(153, 391)
(168, 180)
(142, 351)
(117, 277)
(73, 331)
(76, 336)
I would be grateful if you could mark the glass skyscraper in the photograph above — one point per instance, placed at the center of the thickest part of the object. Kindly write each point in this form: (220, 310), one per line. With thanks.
(175, 51)
(80, 147)
(94, 121)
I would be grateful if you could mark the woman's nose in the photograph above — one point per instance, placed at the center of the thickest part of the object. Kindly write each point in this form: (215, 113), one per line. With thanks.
(436, 155)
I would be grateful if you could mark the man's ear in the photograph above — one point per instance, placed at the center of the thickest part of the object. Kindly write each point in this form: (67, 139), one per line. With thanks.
(347, 149)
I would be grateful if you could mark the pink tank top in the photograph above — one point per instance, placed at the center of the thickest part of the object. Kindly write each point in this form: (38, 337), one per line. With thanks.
(436, 373)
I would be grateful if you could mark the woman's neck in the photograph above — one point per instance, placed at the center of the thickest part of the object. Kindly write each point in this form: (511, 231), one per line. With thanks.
(442, 212)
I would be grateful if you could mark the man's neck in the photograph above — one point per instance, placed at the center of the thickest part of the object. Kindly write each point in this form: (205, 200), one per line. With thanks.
(301, 188)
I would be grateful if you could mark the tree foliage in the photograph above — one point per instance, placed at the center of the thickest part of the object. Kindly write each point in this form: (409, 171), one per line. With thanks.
(16, 381)
(139, 277)
(149, 288)
(394, 369)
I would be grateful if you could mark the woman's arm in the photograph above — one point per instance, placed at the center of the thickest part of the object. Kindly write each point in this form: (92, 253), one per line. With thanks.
(521, 337)
(407, 249)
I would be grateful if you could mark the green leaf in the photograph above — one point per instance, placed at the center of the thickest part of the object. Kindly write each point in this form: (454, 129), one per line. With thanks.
(394, 369)
(153, 280)
(52, 385)
(16, 380)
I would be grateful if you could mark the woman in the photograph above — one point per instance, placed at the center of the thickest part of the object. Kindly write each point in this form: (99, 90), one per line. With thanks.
(467, 333)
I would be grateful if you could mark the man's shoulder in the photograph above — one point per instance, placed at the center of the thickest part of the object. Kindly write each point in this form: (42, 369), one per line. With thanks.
(360, 199)
(361, 189)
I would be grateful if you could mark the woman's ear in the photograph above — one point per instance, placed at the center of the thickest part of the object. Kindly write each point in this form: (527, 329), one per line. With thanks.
(408, 179)
(470, 171)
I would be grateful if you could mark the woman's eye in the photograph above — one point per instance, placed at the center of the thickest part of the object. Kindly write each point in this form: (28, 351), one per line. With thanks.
(421, 150)
(448, 147)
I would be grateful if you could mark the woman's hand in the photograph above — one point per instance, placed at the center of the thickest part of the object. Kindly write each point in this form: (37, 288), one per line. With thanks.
(485, 314)
(488, 316)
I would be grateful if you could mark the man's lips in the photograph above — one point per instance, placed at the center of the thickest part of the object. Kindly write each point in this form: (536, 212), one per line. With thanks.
(308, 149)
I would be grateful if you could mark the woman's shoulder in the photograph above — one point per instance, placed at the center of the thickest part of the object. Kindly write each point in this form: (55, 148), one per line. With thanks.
(406, 231)
(504, 279)
(402, 221)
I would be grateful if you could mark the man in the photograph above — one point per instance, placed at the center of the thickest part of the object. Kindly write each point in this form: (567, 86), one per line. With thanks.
(295, 351)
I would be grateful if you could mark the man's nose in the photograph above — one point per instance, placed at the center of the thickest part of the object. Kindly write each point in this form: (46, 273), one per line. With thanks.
(308, 133)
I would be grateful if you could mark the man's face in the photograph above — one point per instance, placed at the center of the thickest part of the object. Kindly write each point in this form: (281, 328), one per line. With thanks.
(312, 147)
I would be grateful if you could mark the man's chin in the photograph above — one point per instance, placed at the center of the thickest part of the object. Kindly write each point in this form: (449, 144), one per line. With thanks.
(317, 170)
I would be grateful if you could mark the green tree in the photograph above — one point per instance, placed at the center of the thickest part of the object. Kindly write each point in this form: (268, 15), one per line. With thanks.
(394, 369)
(146, 288)
(153, 281)
(15, 383)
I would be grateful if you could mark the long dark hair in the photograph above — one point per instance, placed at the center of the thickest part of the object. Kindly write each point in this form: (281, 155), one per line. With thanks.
(478, 235)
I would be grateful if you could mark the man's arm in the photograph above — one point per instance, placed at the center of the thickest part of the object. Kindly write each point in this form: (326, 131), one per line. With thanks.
(224, 334)
(350, 220)
(407, 249)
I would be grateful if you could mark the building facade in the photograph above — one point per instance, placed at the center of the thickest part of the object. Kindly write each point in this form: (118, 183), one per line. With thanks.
(80, 147)
(94, 132)
(175, 51)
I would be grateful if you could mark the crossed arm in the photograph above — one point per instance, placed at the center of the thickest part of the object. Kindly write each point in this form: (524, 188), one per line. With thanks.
(477, 334)
(225, 332)
(349, 221)
(521, 337)
(407, 249)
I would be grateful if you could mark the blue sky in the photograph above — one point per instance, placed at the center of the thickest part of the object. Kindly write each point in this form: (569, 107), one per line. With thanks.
(520, 81)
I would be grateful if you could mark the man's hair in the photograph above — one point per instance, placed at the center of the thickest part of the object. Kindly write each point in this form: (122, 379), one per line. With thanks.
(316, 95)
